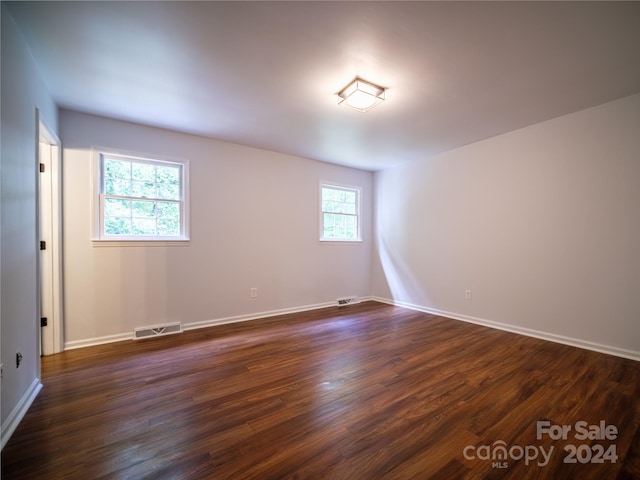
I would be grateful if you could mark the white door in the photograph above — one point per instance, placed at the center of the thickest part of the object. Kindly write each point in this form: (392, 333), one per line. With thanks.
(49, 213)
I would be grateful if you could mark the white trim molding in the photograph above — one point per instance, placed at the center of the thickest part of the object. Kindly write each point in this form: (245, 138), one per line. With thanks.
(255, 316)
(552, 337)
(98, 196)
(90, 342)
(358, 215)
(20, 410)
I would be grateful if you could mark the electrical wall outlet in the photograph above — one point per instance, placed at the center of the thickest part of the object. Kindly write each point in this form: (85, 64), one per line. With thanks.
(467, 295)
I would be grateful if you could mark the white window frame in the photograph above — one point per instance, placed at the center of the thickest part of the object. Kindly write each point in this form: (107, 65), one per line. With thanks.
(348, 188)
(99, 237)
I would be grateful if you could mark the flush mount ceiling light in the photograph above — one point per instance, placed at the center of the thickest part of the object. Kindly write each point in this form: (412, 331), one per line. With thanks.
(361, 95)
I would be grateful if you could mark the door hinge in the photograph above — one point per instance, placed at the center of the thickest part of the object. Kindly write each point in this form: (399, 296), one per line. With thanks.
(42, 167)
(43, 245)
(44, 322)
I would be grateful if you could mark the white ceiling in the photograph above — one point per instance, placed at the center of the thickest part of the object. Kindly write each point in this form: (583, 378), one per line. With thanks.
(265, 74)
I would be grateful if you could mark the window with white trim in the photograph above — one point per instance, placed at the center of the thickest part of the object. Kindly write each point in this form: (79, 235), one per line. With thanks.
(141, 198)
(340, 213)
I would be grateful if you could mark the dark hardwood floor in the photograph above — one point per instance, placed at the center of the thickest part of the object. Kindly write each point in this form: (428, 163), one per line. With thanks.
(367, 391)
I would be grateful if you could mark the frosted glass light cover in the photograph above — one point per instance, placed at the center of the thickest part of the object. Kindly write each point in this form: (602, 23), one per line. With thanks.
(361, 95)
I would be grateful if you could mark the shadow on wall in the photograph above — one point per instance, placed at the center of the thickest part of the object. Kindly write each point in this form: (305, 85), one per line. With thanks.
(403, 285)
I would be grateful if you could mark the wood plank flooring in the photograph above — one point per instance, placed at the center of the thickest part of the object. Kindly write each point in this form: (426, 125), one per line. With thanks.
(367, 391)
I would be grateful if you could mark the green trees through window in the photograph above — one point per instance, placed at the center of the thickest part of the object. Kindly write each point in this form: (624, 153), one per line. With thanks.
(141, 198)
(340, 213)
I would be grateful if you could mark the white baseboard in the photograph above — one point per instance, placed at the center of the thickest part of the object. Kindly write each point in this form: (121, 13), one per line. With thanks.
(89, 342)
(254, 316)
(271, 313)
(20, 410)
(552, 337)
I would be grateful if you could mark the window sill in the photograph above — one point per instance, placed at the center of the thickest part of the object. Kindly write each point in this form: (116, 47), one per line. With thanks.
(140, 243)
(340, 242)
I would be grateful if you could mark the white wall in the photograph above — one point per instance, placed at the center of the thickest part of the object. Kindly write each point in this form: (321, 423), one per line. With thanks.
(22, 93)
(542, 224)
(254, 223)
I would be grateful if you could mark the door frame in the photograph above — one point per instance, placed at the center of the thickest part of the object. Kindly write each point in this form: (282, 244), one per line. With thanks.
(51, 338)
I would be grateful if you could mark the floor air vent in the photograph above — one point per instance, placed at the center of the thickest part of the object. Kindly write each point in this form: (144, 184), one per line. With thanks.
(342, 301)
(157, 330)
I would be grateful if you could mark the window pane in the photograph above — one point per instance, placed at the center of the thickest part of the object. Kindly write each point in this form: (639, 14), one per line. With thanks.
(168, 175)
(350, 197)
(143, 226)
(349, 208)
(168, 210)
(144, 172)
(339, 207)
(333, 226)
(168, 227)
(117, 226)
(339, 201)
(117, 168)
(169, 191)
(351, 227)
(144, 189)
(340, 226)
(117, 187)
(340, 230)
(329, 225)
(330, 206)
(116, 207)
(144, 209)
